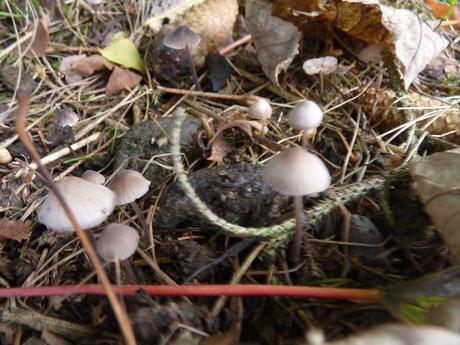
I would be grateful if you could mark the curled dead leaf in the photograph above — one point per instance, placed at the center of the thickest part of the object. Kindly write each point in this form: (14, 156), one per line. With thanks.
(276, 41)
(37, 44)
(122, 79)
(14, 229)
(219, 149)
(87, 66)
(437, 180)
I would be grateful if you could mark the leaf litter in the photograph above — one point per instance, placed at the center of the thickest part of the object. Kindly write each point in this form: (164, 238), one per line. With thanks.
(371, 130)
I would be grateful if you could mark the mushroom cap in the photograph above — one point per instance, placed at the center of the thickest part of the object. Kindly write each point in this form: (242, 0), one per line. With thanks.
(90, 203)
(297, 172)
(305, 115)
(260, 109)
(66, 118)
(372, 53)
(128, 186)
(181, 37)
(117, 241)
(93, 176)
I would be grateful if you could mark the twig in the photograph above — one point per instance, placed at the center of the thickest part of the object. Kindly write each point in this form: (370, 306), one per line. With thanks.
(244, 98)
(201, 290)
(41, 322)
(23, 100)
(237, 43)
(66, 150)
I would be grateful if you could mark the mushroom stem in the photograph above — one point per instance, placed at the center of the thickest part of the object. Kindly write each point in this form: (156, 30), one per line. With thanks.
(298, 233)
(141, 218)
(192, 68)
(130, 275)
(305, 142)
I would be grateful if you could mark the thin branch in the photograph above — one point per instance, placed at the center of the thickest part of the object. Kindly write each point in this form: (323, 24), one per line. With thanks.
(23, 100)
(371, 295)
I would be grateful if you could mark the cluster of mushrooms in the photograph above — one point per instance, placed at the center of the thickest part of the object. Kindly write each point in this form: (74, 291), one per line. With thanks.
(92, 202)
(295, 172)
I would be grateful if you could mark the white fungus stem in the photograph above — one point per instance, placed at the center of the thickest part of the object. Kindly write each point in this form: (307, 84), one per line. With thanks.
(298, 233)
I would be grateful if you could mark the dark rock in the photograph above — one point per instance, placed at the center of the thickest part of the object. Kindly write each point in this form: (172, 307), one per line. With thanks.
(235, 192)
(147, 139)
(363, 230)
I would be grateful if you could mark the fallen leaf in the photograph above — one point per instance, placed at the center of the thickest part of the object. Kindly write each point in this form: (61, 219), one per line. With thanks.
(65, 68)
(37, 44)
(14, 229)
(122, 79)
(219, 72)
(437, 180)
(213, 20)
(323, 65)
(243, 125)
(219, 149)
(168, 10)
(87, 66)
(411, 42)
(276, 41)
(124, 53)
(414, 42)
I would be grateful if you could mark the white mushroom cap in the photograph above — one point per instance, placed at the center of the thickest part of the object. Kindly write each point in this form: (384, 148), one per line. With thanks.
(93, 176)
(297, 172)
(260, 109)
(66, 117)
(306, 115)
(90, 203)
(181, 37)
(129, 185)
(117, 241)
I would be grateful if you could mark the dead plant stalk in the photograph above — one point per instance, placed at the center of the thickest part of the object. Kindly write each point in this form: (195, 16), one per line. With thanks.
(23, 100)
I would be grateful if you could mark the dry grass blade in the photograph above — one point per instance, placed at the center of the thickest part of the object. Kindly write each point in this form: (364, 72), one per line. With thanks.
(122, 318)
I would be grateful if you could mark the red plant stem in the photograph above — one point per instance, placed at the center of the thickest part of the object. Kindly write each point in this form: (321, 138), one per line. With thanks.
(202, 290)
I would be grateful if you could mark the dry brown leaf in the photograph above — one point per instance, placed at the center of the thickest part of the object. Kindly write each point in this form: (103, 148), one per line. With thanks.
(213, 20)
(437, 180)
(122, 79)
(276, 41)
(37, 44)
(65, 68)
(87, 66)
(243, 125)
(412, 42)
(168, 10)
(219, 149)
(14, 229)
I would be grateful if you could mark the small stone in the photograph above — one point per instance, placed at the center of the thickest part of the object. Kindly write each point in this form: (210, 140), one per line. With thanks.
(5, 156)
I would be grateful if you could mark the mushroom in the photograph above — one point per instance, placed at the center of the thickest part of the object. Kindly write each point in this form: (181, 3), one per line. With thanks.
(184, 38)
(130, 185)
(90, 203)
(93, 176)
(306, 116)
(118, 242)
(66, 118)
(297, 172)
(260, 109)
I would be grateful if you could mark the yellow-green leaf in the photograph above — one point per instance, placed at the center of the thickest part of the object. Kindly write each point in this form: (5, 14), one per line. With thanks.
(124, 53)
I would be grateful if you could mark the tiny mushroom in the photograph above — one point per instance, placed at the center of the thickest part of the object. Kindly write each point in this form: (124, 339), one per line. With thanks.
(260, 109)
(130, 185)
(66, 118)
(306, 116)
(117, 242)
(184, 38)
(297, 172)
(93, 176)
(90, 203)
